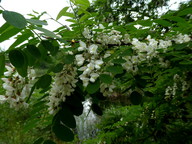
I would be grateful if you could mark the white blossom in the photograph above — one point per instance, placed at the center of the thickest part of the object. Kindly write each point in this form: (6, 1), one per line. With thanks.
(86, 33)
(98, 64)
(2, 99)
(101, 26)
(182, 38)
(16, 88)
(84, 79)
(107, 54)
(94, 76)
(126, 39)
(64, 85)
(80, 59)
(82, 46)
(107, 89)
(93, 49)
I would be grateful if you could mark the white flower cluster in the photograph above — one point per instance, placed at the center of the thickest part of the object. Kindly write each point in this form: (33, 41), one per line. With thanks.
(86, 33)
(112, 37)
(107, 35)
(64, 85)
(90, 68)
(171, 91)
(180, 38)
(148, 50)
(17, 88)
(131, 63)
(107, 89)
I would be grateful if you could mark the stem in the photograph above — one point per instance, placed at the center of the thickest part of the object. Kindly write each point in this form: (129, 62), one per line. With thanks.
(75, 14)
(2, 7)
(35, 33)
(58, 22)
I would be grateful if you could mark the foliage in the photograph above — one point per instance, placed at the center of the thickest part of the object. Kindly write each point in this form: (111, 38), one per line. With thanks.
(148, 66)
(123, 11)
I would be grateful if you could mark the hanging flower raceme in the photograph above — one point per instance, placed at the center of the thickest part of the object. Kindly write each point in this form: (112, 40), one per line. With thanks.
(180, 84)
(64, 85)
(90, 71)
(90, 62)
(17, 88)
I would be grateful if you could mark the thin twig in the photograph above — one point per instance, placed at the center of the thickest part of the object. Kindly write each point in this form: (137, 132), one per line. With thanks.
(58, 22)
(35, 33)
(75, 14)
(2, 7)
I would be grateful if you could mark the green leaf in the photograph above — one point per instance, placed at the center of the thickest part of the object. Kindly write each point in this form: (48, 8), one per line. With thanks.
(93, 87)
(62, 13)
(49, 142)
(105, 78)
(46, 32)
(84, 4)
(63, 133)
(23, 70)
(36, 22)
(127, 52)
(96, 97)
(39, 141)
(47, 45)
(34, 51)
(177, 19)
(2, 64)
(162, 22)
(17, 58)
(83, 11)
(141, 83)
(71, 20)
(58, 68)
(135, 98)
(186, 62)
(44, 81)
(8, 33)
(66, 117)
(68, 59)
(15, 19)
(30, 125)
(149, 94)
(119, 61)
(145, 22)
(116, 69)
(21, 39)
(185, 12)
(31, 59)
(75, 103)
(50, 47)
(96, 109)
(31, 92)
(84, 17)
(68, 14)
(4, 27)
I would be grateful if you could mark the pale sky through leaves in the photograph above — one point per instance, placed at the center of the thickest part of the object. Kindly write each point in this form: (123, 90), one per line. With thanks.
(51, 7)
(27, 6)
